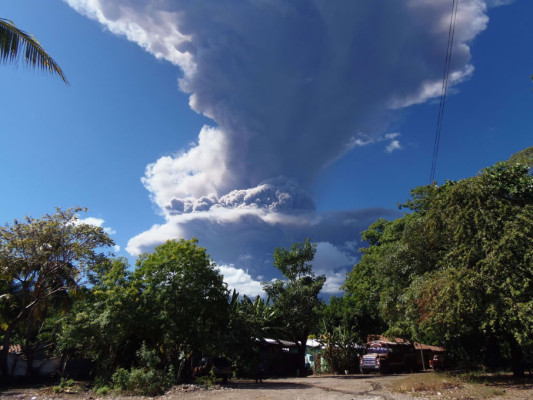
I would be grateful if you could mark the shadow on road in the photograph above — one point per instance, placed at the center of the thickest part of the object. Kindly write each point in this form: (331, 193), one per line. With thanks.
(271, 384)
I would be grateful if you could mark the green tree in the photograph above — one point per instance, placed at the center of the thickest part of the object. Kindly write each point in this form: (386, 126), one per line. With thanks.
(174, 303)
(355, 316)
(184, 301)
(42, 262)
(250, 321)
(13, 41)
(457, 270)
(483, 277)
(296, 299)
(376, 285)
(341, 352)
(111, 304)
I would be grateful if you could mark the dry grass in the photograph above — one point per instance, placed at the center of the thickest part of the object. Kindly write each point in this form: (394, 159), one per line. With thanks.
(427, 384)
(462, 386)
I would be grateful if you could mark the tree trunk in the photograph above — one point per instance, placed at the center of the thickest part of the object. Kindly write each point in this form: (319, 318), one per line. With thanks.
(301, 356)
(517, 357)
(4, 367)
(28, 352)
(492, 358)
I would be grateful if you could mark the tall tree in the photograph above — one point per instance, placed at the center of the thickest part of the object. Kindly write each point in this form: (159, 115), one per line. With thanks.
(296, 299)
(184, 300)
(483, 277)
(42, 260)
(250, 321)
(110, 304)
(458, 269)
(14, 41)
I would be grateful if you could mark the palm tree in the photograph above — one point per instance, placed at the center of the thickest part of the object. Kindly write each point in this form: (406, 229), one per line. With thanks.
(13, 40)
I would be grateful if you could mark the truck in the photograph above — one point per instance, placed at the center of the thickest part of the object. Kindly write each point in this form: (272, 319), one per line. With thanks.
(387, 357)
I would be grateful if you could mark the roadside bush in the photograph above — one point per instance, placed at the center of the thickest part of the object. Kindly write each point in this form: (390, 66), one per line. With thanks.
(103, 390)
(145, 381)
(63, 384)
(340, 359)
(208, 380)
(340, 352)
(149, 379)
(121, 379)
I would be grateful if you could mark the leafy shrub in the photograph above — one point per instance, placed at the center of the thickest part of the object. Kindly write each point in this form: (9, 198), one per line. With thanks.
(64, 383)
(145, 381)
(208, 380)
(103, 390)
(121, 379)
(149, 379)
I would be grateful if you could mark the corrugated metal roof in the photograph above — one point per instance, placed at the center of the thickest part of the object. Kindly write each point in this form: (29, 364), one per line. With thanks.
(421, 346)
(384, 339)
(313, 343)
(280, 342)
(418, 346)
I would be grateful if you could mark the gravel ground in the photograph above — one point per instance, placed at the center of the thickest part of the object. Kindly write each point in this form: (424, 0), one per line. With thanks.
(349, 387)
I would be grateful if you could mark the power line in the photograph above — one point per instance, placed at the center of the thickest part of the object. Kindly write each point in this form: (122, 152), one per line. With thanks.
(447, 61)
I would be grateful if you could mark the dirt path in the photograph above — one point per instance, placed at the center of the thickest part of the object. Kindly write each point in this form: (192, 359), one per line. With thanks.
(345, 387)
(356, 387)
(310, 388)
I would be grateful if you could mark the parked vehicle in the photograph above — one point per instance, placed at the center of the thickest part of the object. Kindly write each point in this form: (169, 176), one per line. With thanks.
(386, 357)
(220, 366)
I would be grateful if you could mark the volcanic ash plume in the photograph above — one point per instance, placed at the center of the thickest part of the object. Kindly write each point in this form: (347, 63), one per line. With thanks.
(291, 86)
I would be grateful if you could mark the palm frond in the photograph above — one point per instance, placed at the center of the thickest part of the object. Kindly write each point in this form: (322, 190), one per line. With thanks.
(14, 41)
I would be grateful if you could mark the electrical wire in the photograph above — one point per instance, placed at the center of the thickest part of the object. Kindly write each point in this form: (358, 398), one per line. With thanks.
(446, 73)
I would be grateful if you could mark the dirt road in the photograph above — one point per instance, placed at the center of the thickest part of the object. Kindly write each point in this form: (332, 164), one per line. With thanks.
(345, 387)
(360, 387)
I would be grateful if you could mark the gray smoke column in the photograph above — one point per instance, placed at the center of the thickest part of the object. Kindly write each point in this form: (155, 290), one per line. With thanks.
(290, 83)
(291, 86)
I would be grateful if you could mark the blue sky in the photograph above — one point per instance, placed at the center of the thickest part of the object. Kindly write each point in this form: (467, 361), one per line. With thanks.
(307, 119)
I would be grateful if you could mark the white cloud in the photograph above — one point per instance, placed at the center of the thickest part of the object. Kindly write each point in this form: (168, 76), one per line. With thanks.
(431, 89)
(273, 195)
(97, 222)
(393, 145)
(199, 171)
(155, 30)
(497, 3)
(329, 257)
(241, 281)
(334, 281)
(243, 233)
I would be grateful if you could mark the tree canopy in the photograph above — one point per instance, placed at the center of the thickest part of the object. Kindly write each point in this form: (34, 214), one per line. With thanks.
(455, 270)
(184, 299)
(42, 261)
(458, 269)
(296, 299)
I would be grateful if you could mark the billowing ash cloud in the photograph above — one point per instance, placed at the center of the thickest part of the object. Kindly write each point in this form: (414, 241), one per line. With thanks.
(291, 85)
(278, 194)
(247, 235)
